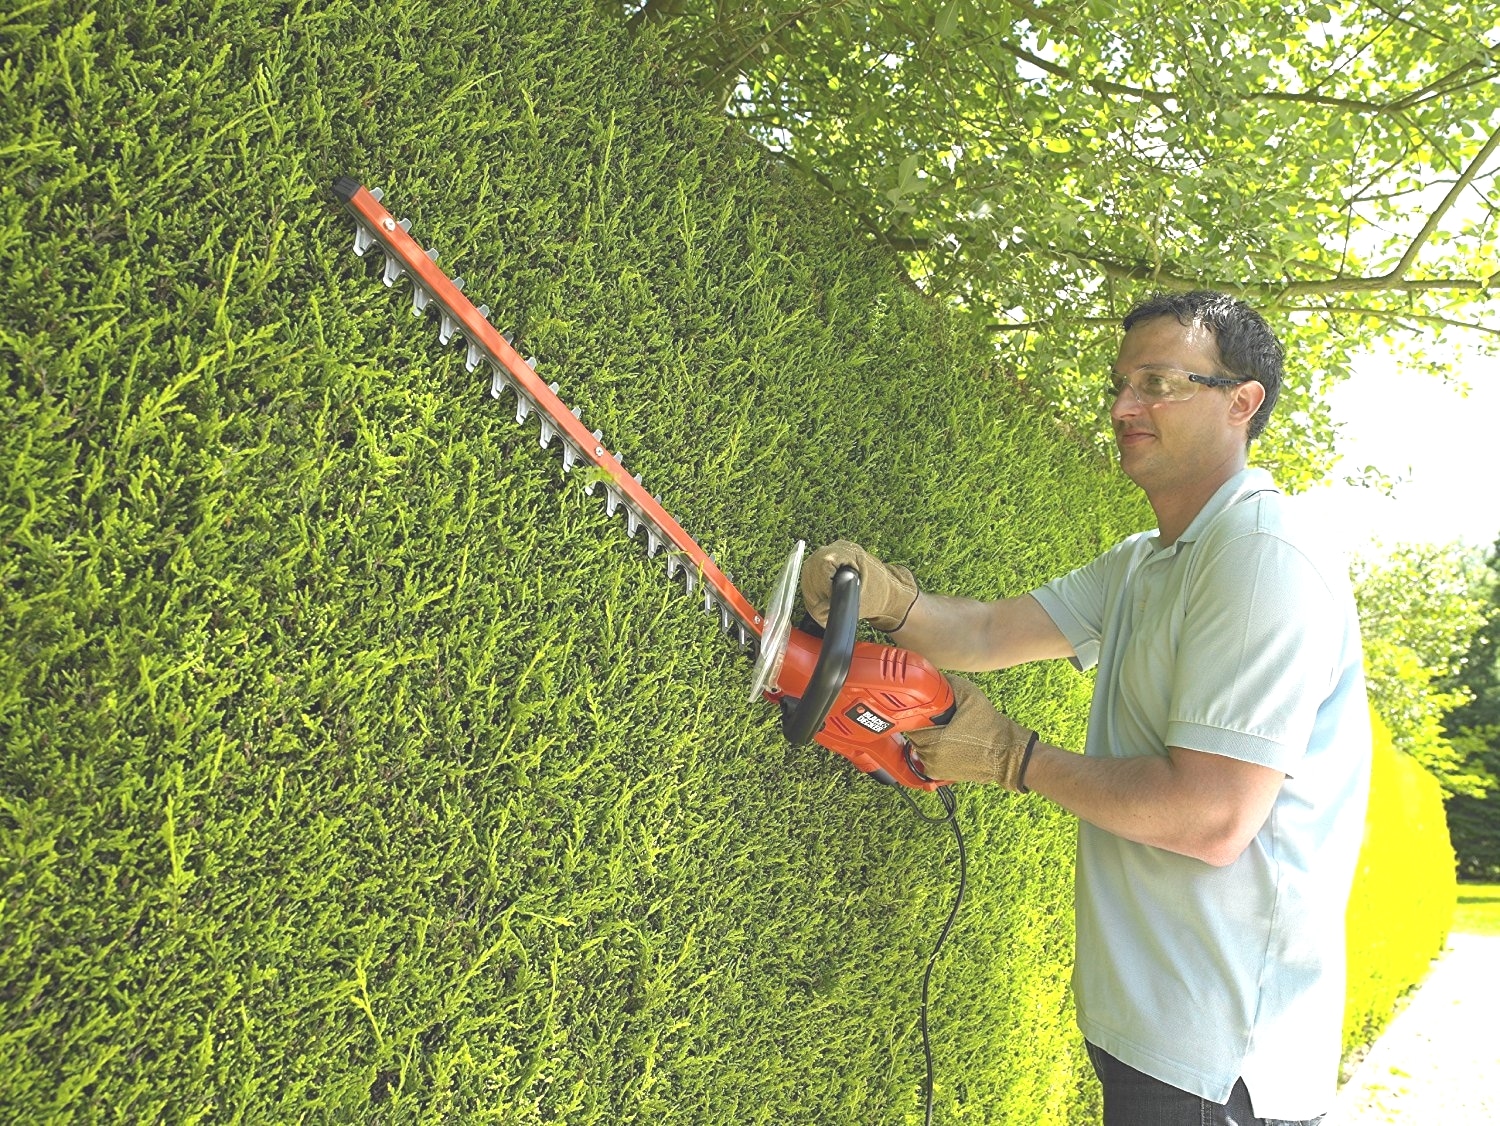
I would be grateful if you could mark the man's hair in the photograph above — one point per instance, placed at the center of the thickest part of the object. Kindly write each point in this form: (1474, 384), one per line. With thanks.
(1247, 346)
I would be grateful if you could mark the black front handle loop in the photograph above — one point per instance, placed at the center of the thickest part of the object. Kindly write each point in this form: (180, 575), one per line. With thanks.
(802, 719)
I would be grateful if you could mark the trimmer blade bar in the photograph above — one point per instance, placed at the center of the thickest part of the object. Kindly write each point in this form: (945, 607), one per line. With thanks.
(435, 292)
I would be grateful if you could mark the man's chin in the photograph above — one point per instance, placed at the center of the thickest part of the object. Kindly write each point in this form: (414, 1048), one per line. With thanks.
(1131, 461)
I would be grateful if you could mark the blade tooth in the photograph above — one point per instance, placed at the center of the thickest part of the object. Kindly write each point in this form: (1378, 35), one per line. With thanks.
(523, 406)
(364, 238)
(419, 299)
(531, 362)
(708, 599)
(393, 270)
(674, 561)
(405, 225)
(611, 500)
(653, 541)
(510, 337)
(475, 356)
(446, 328)
(726, 620)
(570, 456)
(553, 387)
(378, 193)
(458, 284)
(692, 578)
(743, 636)
(498, 381)
(547, 431)
(632, 520)
(578, 413)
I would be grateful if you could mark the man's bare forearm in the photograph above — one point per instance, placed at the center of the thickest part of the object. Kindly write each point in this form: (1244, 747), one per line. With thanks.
(1189, 802)
(967, 635)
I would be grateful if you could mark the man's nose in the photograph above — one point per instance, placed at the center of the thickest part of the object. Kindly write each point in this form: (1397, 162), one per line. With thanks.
(1126, 403)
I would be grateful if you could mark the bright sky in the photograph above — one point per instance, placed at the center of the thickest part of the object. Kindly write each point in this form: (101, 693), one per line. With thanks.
(1443, 446)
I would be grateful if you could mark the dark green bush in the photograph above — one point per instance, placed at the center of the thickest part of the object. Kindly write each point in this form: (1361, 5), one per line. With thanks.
(356, 767)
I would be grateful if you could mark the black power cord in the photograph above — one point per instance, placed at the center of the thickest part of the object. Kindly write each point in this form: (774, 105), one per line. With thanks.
(950, 818)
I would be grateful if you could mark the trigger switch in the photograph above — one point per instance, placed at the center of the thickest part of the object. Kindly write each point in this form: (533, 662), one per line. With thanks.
(913, 764)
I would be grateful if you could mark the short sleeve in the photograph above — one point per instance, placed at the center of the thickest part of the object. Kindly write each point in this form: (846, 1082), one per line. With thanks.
(1261, 635)
(1078, 602)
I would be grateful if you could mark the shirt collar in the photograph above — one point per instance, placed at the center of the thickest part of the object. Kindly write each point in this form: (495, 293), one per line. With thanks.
(1243, 485)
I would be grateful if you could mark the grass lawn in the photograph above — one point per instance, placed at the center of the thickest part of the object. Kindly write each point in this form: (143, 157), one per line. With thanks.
(1478, 909)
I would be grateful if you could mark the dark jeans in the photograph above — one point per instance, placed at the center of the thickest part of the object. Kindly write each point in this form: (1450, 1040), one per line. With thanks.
(1134, 1099)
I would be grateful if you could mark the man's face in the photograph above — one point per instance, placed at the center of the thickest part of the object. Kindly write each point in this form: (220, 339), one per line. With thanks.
(1175, 443)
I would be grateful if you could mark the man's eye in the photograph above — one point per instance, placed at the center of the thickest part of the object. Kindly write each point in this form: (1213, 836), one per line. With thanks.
(1155, 386)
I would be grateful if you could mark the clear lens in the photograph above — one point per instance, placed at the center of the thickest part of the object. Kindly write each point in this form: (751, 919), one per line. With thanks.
(1153, 385)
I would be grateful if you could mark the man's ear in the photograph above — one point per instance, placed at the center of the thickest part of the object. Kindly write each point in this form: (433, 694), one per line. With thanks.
(1244, 401)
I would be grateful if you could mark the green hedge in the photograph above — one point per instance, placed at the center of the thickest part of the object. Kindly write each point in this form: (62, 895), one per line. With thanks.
(1404, 892)
(355, 767)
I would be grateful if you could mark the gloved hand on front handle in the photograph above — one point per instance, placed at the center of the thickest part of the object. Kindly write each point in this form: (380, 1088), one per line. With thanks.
(978, 744)
(886, 593)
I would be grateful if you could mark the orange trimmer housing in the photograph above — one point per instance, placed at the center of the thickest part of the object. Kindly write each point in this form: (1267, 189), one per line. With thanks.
(888, 691)
(858, 698)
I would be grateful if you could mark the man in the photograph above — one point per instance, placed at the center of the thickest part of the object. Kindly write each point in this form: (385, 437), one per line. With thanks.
(1222, 791)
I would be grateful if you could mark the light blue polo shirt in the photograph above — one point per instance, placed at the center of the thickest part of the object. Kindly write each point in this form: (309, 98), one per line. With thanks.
(1240, 639)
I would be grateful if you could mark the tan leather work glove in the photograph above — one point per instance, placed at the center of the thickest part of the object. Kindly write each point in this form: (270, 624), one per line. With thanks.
(886, 593)
(977, 745)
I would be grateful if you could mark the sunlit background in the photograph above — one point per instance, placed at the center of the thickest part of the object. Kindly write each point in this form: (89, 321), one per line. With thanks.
(1437, 440)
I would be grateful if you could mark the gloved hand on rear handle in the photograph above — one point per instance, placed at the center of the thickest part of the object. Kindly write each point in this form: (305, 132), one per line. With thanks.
(886, 593)
(978, 744)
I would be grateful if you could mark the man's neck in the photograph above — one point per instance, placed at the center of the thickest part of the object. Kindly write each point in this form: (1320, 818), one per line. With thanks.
(1176, 508)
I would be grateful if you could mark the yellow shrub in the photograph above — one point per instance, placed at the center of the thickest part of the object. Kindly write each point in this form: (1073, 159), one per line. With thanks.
(1404, 890)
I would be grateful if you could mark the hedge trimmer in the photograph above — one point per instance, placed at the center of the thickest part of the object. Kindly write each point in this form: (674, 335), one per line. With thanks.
(853, 697)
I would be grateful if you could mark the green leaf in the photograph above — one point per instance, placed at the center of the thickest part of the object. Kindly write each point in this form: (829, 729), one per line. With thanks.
(947, 22)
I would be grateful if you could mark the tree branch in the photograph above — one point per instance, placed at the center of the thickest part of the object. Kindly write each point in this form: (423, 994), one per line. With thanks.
(1162, 98)
(1397, 315)
(1393, 281)
(1274, 292)
(1475, 165)
(1102, 85)
(1049, 325)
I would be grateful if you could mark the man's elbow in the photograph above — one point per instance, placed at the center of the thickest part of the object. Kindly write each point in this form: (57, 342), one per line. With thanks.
(1222, 843)
(1222, 805)
(1222, 854)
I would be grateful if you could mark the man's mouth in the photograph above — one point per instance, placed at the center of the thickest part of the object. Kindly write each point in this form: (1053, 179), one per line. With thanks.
(1132, 437)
